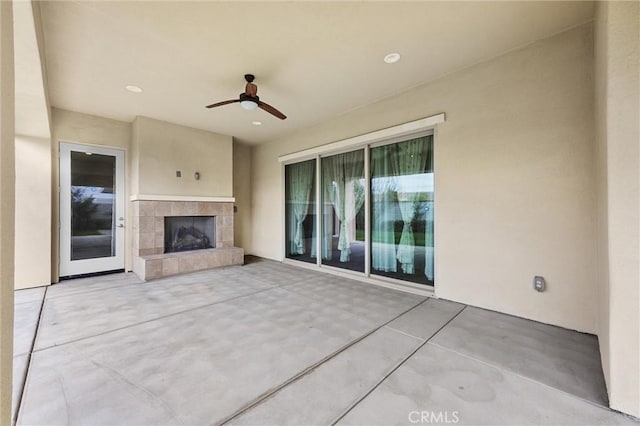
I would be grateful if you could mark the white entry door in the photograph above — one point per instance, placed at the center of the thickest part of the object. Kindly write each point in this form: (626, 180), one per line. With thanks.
(92, 212)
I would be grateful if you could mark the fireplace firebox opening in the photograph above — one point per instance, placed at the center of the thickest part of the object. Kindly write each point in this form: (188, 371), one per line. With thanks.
(186, 233)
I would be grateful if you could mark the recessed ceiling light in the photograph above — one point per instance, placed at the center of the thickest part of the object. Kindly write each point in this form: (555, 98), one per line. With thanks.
(256, 123)
(392, 58)
(134, 89)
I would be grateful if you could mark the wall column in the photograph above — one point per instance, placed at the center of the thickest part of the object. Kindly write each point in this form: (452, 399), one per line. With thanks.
(7, 204)
(617, 115)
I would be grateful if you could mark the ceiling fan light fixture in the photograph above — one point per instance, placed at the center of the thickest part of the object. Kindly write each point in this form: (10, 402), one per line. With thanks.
(249, 105)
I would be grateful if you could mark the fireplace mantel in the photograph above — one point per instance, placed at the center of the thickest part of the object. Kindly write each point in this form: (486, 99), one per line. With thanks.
(197, 198)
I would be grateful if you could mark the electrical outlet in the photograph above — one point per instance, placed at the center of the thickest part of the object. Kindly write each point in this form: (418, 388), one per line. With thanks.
(539, 284)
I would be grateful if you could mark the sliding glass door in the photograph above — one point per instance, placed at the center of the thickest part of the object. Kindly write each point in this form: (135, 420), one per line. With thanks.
(402, 210)
(343, 197)
(375, 211)
(300, 211)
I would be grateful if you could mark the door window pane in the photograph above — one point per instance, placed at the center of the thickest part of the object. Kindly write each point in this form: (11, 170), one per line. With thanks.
(343, 199)
(300, 189)
(92, 205)
(402, 210)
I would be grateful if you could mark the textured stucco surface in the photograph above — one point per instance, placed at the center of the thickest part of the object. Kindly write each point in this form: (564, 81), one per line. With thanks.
(513, 174)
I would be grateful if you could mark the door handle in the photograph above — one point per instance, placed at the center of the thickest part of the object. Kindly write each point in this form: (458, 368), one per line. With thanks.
(121, 225)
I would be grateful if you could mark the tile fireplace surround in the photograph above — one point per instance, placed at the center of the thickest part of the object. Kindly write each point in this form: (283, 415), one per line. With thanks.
(150, 261)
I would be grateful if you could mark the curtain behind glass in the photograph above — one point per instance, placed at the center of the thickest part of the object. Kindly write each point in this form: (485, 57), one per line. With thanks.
(383, 187)
(402, 209)
(411, 159)
(343, 190)
(299, 190)
(428, 242)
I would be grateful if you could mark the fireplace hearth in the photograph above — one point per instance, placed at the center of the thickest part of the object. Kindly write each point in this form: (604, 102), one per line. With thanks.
(186, 233)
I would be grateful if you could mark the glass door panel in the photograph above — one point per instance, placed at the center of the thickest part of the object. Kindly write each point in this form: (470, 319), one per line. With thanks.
(92, 209)
(300, 211)
(343, 222)
(402, 196)
(92, 205)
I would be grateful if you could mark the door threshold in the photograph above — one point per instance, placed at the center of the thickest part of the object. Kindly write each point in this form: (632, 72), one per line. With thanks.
(92, 274)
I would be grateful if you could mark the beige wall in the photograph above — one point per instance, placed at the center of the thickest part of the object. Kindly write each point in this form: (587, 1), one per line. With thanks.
(32, 151)
(514, 179)
(617, 113)
(33, 217)
(242, 193)
(161, 148)
(7, 202)
(69, 126)
(154, 150)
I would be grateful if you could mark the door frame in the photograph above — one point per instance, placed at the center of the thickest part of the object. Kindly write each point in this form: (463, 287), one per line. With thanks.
(417, 128)
(67, 267)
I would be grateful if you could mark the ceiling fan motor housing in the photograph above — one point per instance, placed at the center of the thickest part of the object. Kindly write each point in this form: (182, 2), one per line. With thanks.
(245, 97)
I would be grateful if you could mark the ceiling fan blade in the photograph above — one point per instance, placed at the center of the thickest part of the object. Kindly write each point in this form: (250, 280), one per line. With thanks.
(231, 101)
(271, 110)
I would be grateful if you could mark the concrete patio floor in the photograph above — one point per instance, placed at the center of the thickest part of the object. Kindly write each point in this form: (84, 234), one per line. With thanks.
(272, 344)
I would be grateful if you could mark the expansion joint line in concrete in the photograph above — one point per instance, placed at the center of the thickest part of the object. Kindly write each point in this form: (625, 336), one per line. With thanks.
(261, 398)
(26, 370)
(173, 314)
(341, 416)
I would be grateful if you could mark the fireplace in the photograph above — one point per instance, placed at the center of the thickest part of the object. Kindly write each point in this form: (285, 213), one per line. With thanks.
(187, 233)
(172, 237)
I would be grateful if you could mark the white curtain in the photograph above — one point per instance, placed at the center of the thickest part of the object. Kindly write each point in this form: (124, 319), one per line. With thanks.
(383, 185)
(300, 182)
(353, 202)
(326, 230)
(428, 242)
(340, 172)
(411, 159)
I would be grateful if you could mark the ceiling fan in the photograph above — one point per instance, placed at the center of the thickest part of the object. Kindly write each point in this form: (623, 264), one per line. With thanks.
(249, 99)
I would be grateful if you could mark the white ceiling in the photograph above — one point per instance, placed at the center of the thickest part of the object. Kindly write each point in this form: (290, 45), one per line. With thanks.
(312, 60)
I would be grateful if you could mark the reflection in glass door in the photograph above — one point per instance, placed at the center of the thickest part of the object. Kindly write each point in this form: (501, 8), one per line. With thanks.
(300, 211)
(91, 209)
(373, 215)
(402, 195)
(343, 221)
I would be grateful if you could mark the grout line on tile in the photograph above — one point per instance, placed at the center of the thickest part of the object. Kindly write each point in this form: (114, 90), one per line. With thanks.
(266, 395)
(513, 373)
(153, 319)
(29, 354)
(412, 353)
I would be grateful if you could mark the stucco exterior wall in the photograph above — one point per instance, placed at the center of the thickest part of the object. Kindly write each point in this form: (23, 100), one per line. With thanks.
(515, 188)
